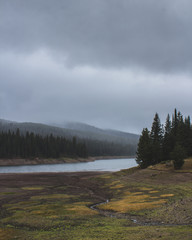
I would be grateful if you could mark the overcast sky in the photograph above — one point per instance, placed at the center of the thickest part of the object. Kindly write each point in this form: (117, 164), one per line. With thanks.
(109, 63)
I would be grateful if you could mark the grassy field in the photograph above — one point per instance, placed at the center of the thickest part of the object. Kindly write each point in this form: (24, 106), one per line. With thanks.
(154, 203)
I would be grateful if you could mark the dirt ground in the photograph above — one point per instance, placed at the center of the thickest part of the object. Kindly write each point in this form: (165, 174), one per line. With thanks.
(49, 182)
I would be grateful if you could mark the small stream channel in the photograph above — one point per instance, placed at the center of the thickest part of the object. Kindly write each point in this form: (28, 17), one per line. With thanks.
(135, 219)
(109, 213)
(94, 206)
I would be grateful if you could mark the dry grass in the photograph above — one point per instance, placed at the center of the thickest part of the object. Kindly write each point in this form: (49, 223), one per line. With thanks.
(146, 189)
(81, 209)
(154, 191)
(9, 233)
(167, 195)
(144, 198)
(187, 167)
(33, 188)
(117, 186)
(132, 204)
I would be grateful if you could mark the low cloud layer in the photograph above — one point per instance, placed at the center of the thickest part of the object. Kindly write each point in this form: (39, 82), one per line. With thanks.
(108, 63)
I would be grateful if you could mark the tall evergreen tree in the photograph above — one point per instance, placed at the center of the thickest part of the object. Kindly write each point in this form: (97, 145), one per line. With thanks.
(144, 154)
(188, 136)
(156, 140)
(167, 143)
(175, 122)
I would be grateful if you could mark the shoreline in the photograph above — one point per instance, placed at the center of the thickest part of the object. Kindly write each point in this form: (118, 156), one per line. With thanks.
(43, 161)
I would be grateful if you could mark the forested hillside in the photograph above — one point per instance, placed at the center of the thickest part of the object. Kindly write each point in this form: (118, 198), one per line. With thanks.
(69, 130)
(30, 145)
(95, 141)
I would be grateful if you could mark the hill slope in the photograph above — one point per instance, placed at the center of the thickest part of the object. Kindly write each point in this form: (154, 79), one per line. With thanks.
(83, 130)
(68, 130)
(98, 142)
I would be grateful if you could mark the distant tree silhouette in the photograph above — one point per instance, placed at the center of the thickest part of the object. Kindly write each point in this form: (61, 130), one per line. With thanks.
(30, 145)
(15, 145)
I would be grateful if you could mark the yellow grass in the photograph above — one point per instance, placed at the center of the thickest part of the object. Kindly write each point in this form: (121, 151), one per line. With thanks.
(167, 195)
(136, 201)
(81, 209)
(187, 167)
(137, 193)
(114, 183)
(153, 191)
(33, 188)
(117, 186)
(132, 204)
(146, 189)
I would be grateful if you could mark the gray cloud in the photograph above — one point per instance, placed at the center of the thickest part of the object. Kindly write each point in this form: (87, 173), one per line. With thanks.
(149, 34)
(112, 63)
(122, 99)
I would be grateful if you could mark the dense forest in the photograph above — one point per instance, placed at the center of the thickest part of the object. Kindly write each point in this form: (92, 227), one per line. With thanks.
(98, 142)
(172, 141)
(30, 145)
(14, 144)
(105, 148)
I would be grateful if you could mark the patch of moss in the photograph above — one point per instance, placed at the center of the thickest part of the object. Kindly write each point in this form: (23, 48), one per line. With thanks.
(7, 193)
(52, 196)
(33, 188)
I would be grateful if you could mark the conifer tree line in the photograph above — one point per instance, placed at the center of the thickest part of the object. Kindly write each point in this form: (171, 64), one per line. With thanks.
(105, 148)
(172, 141)
(30, 145)
(14, 144)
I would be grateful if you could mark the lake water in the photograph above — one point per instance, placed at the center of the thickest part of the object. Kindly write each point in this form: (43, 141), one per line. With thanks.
(98, 165)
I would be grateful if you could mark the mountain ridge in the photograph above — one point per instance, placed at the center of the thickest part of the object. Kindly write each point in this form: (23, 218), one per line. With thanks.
(70, 129)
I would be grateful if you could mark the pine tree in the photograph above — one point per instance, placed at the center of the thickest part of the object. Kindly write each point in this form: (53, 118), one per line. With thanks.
(175, 123)
(144, 155)
(167, 139)
(188, 136)
(156, 140)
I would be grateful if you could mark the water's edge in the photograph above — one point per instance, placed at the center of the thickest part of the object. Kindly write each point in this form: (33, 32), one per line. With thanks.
(41, 161)
(97, 165)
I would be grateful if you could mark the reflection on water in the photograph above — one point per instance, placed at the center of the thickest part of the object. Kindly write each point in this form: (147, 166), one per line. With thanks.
(98, 165)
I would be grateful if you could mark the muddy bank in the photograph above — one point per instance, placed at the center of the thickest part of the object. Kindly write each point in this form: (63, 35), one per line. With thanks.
(39, 161)
(9, 180)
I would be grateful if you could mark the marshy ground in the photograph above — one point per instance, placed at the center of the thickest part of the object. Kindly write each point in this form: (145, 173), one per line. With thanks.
(155, 203)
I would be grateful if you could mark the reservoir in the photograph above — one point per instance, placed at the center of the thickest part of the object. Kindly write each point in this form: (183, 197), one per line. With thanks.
(98, 165)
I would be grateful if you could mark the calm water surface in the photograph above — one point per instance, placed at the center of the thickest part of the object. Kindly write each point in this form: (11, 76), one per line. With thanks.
(98, 165)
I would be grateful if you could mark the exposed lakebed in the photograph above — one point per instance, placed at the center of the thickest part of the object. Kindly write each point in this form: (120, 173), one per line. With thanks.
(98, 165)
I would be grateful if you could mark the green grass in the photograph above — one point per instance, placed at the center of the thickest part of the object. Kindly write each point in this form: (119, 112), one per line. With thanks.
(62, 211)
(99, 229)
